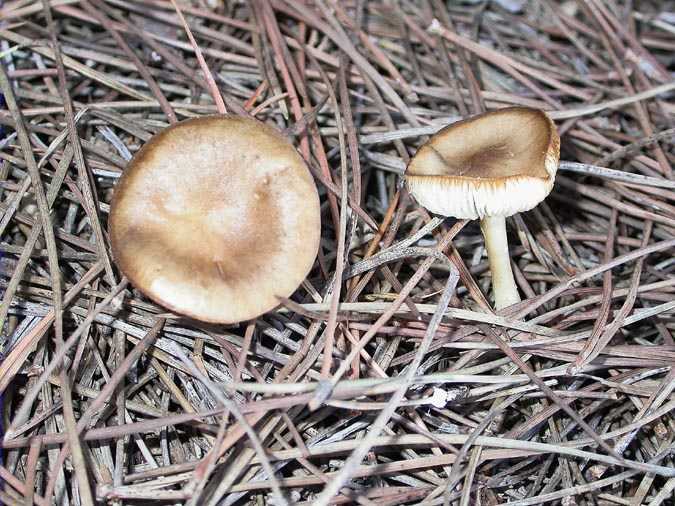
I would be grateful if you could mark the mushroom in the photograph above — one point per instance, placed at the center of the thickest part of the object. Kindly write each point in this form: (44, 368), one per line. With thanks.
(488, 167)
(216, 218)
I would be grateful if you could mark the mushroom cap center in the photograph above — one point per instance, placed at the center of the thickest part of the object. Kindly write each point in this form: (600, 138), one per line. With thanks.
(216, 218)
(511, 142)
(494, 164)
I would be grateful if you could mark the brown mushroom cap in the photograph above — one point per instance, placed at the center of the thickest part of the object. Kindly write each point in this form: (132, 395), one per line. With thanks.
(494, 164)
(216, 217)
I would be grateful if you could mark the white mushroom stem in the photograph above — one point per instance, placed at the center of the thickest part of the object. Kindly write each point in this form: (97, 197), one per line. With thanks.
(503, 284)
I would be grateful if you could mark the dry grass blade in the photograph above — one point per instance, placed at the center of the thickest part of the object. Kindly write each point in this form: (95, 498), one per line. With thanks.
(382, 419)
(213, 87)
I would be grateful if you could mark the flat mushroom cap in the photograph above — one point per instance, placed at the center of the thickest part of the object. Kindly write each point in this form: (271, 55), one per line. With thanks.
(494, 164)
(216, 217)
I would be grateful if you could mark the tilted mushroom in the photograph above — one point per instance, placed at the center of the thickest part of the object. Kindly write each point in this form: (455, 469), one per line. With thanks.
(488, 167)
(215, 218)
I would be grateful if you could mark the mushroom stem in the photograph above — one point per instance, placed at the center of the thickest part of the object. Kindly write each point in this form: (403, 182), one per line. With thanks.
(503, 284)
